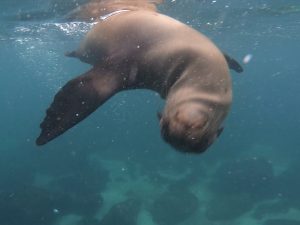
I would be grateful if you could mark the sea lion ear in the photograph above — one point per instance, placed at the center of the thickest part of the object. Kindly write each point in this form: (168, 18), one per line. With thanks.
(159, 115)
(219, 131)
(233, 64)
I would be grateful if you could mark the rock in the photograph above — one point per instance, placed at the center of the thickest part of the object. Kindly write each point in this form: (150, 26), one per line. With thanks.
(86, 205)
(124, 213)
(88, 221)
(78, 174)
(248, 176)
(237, 186)
(272, 208)
(228, 207)
(287, 185)
(83, 187)
(32, 205)
(174, 206)
(282, 222)
(35, 206)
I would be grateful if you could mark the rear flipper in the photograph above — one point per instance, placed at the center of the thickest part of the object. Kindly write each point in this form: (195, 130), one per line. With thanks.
(233, 64)
(76, 100)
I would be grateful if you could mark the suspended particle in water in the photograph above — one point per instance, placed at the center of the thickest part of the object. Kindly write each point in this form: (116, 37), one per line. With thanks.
(55, 211)
(247, 58)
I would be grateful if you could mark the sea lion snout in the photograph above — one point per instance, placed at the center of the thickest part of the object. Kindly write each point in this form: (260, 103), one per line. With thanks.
(187, 129)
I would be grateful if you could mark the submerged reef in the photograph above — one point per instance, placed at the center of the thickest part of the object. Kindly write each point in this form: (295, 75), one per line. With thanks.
(123, 213)
(288, 185)
(38, 191)
(271, 208)
(88, 221)
(32, 205)
(253, 176)
(228, 207)
(35, 206)
(237, 186)
(174, 206)
(281, 222)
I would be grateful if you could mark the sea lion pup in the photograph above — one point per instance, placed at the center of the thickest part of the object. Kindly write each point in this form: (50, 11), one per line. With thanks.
(133, 46)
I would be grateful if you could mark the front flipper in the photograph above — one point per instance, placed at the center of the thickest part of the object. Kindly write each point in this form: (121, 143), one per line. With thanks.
(76, 100)
(233, 64)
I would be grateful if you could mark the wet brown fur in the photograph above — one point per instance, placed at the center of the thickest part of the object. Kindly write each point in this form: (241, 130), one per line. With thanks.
(96, 8)
(141, 48)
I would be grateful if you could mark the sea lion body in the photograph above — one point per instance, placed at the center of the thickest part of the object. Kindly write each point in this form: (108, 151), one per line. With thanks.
(157, 46)
(145, 49)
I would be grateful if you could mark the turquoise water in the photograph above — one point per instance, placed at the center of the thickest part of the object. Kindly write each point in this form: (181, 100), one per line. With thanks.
(113, 168)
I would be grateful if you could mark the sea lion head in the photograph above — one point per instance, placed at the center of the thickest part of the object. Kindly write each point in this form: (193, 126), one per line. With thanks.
(189, 128)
